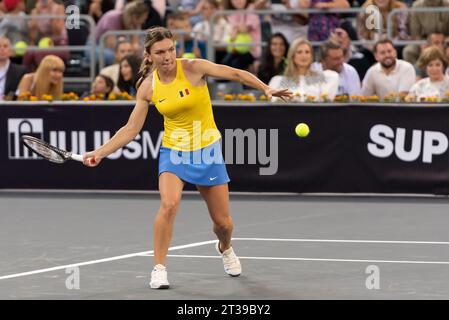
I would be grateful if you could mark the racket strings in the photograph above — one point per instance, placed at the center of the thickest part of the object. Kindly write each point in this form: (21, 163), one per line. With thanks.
(46, 151)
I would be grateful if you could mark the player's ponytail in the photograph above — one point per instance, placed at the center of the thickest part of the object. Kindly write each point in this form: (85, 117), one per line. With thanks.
(154, 35)
(145, 70)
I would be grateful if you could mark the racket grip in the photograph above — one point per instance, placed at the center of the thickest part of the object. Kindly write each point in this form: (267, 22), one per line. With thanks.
(77, 157)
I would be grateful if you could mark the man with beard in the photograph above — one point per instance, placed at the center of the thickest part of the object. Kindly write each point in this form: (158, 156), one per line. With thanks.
(389, 74)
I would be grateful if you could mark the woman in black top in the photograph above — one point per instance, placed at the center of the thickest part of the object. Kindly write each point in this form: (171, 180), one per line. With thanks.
(274, 59)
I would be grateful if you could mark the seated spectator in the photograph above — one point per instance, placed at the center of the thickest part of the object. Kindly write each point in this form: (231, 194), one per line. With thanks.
(185, 43)
(292, 26)
(10, 73)
(389, 74)
(47, 80)
(14, 26)
(131, 18)
(102, 87)
(433, 40)
(46, 32)
(332, 58)
(129, 69)
(361, 59)
(98, 7)
(123, 48)
(47, 27)
(246, 28)
(32, 59)
(154, 17)
(156, 12)
(221, 28)
(301, 79)
(191, 7)
(400, 30)
(321, 25)
(436, 84)
(423, 24)
(275, 58)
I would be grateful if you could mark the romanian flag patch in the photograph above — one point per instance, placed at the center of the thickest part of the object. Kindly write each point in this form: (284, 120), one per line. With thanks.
(184, 92)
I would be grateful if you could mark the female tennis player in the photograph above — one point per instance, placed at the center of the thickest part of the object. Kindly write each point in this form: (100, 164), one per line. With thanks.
(178, 89)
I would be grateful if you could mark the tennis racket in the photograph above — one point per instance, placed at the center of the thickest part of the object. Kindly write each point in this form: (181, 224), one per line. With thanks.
(49, 152)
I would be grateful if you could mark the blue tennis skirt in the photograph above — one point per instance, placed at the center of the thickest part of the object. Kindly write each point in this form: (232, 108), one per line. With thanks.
(204, 167)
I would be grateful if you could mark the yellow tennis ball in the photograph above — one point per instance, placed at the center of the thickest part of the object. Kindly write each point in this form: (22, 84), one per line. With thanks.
(189, 55)
(243, 38)
(45, 42)
(20, 48)
(302, 130)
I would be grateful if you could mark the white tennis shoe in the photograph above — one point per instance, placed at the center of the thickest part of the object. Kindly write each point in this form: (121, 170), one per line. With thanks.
(231, 262)
(159, 277)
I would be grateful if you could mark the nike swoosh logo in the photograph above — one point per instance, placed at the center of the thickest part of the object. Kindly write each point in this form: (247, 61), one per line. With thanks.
(212, 179)
(162, 100)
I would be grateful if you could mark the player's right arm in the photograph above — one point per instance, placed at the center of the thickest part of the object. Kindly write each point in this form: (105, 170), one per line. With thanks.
(129, 131)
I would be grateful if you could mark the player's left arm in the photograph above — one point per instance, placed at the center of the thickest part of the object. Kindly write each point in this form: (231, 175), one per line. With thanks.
(207, 68)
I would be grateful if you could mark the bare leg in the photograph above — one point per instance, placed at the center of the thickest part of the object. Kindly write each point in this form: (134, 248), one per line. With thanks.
(170, 188)
(217, 199)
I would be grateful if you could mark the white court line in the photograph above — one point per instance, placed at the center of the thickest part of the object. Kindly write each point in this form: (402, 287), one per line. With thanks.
(197, 244)
(342, 241)
(315, 259)
(126, 256)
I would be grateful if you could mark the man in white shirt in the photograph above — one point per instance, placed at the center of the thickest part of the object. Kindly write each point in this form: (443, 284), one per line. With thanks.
(332, 58)
(389, 74)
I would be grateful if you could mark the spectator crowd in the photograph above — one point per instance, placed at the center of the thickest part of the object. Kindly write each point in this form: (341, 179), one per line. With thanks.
(319, 55)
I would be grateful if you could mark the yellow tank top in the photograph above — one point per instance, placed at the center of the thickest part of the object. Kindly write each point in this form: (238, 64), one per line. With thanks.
(188, 119)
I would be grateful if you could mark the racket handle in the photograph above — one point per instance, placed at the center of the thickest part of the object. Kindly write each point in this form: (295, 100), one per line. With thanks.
(77, 157)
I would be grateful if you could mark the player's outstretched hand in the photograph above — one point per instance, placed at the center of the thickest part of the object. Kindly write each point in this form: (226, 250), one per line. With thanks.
(91, 159)
(284, 94)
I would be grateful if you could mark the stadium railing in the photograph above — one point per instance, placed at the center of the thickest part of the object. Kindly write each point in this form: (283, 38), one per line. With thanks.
(141, 34)
(410, 10)
(70, 48)
(211, 45)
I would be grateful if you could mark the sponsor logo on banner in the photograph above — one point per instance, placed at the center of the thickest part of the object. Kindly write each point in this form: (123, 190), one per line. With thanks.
(424, 146)
(142, 146)
(19, 127)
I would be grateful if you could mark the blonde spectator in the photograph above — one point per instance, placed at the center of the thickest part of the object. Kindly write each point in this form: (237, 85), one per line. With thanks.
(436, 85)
(47, 80)
(301, 79)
